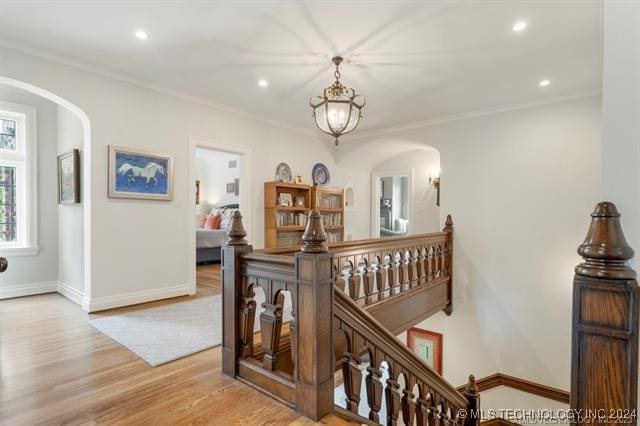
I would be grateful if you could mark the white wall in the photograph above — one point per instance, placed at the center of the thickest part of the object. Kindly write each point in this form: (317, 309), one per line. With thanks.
(621, 115)
(520, 186)
(139, 249)
(425, 214)
(214, 174)
(35, 274)
(70, 216)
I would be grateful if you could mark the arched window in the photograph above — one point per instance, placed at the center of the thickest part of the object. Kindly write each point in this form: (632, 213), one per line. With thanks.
(17, 180)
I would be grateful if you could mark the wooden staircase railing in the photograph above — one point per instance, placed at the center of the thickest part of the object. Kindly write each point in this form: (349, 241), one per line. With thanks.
(424, 397)
(313, 296)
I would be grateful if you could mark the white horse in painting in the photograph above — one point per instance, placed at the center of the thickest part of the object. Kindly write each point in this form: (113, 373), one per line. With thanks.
(148, 172)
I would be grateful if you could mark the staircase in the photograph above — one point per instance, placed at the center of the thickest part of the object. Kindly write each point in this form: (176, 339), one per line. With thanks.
(348, 300)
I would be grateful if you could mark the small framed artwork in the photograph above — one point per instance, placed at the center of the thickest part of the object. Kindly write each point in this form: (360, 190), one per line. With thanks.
(233, 164)
(231, 188)
(299, 200)
(140, 174)
(427, 345)
(299, 180)
(69, 177)
(284, 199)
(197, 192)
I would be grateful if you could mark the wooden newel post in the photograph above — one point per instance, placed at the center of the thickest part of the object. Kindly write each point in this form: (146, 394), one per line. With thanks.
(314, 367)
(232, 294)
(473, 397)
(604, 362)
(448, 228)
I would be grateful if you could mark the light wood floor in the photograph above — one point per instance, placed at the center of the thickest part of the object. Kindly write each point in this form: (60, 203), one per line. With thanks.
(56, 369)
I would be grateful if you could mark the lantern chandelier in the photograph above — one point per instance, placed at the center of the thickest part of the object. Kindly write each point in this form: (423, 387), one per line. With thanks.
(338, 111)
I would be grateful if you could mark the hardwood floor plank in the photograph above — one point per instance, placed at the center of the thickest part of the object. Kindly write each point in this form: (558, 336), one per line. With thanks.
(55, 369)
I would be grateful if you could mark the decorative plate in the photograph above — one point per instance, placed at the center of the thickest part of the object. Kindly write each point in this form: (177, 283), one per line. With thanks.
(320, 174)
(283, 173)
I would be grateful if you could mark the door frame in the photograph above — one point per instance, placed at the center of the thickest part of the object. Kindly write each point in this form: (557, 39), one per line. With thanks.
(244, 155)
(375, 197)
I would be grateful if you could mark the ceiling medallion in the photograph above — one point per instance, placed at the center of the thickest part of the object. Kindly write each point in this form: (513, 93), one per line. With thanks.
(338, 111)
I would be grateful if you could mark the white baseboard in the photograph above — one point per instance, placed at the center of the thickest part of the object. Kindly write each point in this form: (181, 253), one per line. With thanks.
(76, 296)
(28, 289)
(110, 302)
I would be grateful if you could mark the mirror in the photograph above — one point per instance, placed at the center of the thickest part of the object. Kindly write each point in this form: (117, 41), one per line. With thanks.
(394, 205)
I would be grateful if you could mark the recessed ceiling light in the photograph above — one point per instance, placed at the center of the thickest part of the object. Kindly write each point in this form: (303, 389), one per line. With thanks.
(263, 83)
(544, 83)
(519, 26)
(142, 34)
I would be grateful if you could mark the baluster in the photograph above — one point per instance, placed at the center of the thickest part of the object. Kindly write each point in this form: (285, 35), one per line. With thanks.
(421, 267)
(413, 268)
(352, 376)
(376, 268)
(402, 270)
(395, 274)
(370, 289)
(293, 331)
(388, 274)
(392, 398)
(422, 410)
(352, 281)
(445, 258)
(430, 263)
(408, 407)
(439, 260)
(270, 329)
(337, 272)
(374, 392)
(246, 318)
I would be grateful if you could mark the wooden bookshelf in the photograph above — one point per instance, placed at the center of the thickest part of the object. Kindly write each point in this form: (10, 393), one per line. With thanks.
(329, 201)
(284, 224)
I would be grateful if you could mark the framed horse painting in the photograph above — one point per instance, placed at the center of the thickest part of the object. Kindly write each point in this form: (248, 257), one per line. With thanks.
(140, 174)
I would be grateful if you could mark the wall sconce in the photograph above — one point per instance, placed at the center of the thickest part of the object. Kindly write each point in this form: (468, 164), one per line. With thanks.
(435, 181)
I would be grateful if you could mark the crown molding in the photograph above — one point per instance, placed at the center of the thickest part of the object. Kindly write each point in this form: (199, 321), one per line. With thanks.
(475, 114)
(39, 53)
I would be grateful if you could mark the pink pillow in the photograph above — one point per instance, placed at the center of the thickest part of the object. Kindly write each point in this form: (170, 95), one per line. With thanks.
(201, 220)
(213, 222)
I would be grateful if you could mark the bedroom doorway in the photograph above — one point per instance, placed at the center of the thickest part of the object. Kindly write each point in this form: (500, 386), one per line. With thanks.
(217, 179)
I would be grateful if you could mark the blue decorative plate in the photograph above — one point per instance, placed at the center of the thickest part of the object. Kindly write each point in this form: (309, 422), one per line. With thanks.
(320, 174)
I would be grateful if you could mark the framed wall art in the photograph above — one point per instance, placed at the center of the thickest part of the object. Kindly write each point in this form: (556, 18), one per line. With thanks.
(69, 177)
(140, 174)
(427, 345)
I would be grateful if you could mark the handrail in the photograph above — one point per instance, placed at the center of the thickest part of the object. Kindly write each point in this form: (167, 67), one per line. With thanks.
(344, 246)
(351, 314)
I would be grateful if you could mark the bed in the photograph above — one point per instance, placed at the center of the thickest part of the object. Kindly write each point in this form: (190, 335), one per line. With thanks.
(210, 241)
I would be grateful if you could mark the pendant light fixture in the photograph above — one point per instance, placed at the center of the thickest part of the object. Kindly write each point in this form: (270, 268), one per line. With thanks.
(338, 111)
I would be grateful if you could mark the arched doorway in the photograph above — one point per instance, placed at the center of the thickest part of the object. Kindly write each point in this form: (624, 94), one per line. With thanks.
(83, 295)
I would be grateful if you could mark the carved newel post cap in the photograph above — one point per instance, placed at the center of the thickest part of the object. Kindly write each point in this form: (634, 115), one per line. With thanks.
(314, 239)
(448, 224)
(605, 250)
(3, 264)
(471, 388)
(236, 235)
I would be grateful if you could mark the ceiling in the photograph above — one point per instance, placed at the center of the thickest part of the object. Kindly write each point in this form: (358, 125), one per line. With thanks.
(414, 61)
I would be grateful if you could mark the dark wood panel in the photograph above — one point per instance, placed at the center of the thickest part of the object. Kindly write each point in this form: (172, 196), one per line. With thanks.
(407, 309)
(267, 381)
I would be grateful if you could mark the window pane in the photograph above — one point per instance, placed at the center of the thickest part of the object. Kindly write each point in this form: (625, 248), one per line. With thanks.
(7, 134)
(8, 223)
